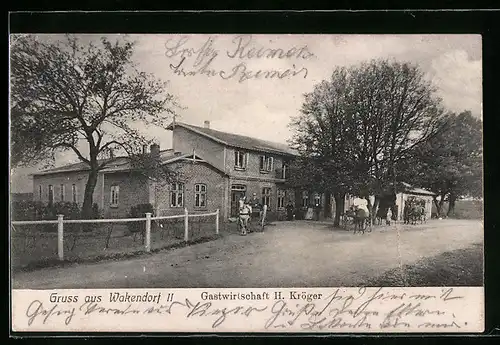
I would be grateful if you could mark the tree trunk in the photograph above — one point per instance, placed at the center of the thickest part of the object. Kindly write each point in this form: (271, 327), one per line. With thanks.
(328, 205)
(438, 206)
(88, 203)
(451, 205)
(89, 194)
(441, 202)
(376, 204)
(370, 209)
(339, 208)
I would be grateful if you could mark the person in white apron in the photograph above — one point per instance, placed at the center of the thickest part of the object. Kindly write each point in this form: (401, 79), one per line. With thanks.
(244, 216)
(262, 220)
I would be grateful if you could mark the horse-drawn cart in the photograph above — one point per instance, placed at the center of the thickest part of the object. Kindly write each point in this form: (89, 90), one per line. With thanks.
(357, 219)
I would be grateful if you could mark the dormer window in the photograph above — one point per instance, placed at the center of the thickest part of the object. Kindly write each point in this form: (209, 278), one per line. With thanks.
(266, 163)
(240, 160)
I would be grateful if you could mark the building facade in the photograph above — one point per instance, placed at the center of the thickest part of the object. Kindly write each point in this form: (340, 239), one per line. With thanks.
(406, 193)
(252, 166)
(119, 187)
(215, 169)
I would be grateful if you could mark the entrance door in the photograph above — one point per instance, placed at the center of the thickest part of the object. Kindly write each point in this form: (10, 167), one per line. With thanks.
(237, 192)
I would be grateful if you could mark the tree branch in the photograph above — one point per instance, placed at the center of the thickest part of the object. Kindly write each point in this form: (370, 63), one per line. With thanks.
(75, 150)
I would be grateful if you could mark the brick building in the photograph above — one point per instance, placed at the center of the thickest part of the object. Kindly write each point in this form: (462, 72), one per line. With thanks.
(120, 187)
(251, 165)
(216, 168)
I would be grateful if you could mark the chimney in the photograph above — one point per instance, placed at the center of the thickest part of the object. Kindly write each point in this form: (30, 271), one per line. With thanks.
(111, 154)
(155, 150)
(207, 124)
(144, 149)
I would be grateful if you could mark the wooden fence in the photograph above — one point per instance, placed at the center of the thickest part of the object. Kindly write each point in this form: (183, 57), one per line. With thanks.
(148, 218)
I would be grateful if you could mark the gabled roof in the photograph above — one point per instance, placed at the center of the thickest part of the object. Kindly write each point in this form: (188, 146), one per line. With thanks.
(119, 164)
(238, 141)
(408, 188)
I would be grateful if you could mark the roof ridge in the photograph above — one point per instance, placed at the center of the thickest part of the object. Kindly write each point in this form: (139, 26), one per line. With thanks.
(232, 139)
(65, 167)
(241, 135)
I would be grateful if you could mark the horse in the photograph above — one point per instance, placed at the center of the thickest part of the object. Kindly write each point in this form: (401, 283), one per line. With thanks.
(417, 214)
(381, 216)
(360, 218)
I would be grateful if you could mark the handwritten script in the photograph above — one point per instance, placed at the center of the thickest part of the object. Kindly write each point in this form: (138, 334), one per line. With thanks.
(357, 309)
(191, 59)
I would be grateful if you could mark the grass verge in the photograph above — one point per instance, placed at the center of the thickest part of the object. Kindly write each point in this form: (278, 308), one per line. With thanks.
(463, 267)
(108, 257)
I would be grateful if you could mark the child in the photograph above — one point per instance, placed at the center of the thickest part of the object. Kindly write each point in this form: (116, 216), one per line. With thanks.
(388, 218)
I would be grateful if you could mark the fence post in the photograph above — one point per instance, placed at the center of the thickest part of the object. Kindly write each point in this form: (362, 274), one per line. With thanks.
(148, 232)
(217, 222)
(60, 233)
(186, 224)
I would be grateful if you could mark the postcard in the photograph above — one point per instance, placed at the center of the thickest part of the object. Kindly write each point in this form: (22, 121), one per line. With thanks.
(248, 183)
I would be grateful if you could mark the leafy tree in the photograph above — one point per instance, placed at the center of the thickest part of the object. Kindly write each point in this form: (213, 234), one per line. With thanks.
(85, 98)
(321, 136)
(395, 109)
(450, 164)
(364, 122)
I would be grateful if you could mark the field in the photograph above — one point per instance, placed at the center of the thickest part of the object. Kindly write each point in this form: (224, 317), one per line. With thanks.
(464, 209)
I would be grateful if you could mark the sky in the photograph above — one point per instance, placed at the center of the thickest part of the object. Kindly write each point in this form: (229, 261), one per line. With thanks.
(239, 101)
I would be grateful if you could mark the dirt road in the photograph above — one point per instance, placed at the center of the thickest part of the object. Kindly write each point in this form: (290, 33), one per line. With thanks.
(287, 254)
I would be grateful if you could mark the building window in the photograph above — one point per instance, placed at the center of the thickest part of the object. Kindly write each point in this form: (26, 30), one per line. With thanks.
(115, 194)
(73, 194)
(51, 194)
(40, 192)
(266, 163)
(200, 195)
(239, 187)
(284, 170)
(266, 196)
(177, 195)
(317, 199)
(240, 160)
(61, 192)
(281, 199)
(305, 199)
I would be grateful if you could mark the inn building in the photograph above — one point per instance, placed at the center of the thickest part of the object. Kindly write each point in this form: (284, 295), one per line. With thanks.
(215, 170)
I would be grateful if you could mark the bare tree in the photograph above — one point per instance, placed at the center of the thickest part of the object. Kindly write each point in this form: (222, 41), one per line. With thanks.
(85, 98)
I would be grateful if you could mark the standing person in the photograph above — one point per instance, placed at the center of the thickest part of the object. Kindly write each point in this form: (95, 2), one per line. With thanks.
(309, 212)
(244, 216)
(406, 213)
(289, 210)
(388, 217)
(317, 211)
(262, 219)
(256, 206)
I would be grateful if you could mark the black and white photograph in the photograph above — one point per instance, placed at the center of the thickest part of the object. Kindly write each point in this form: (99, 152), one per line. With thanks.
(245, 161)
